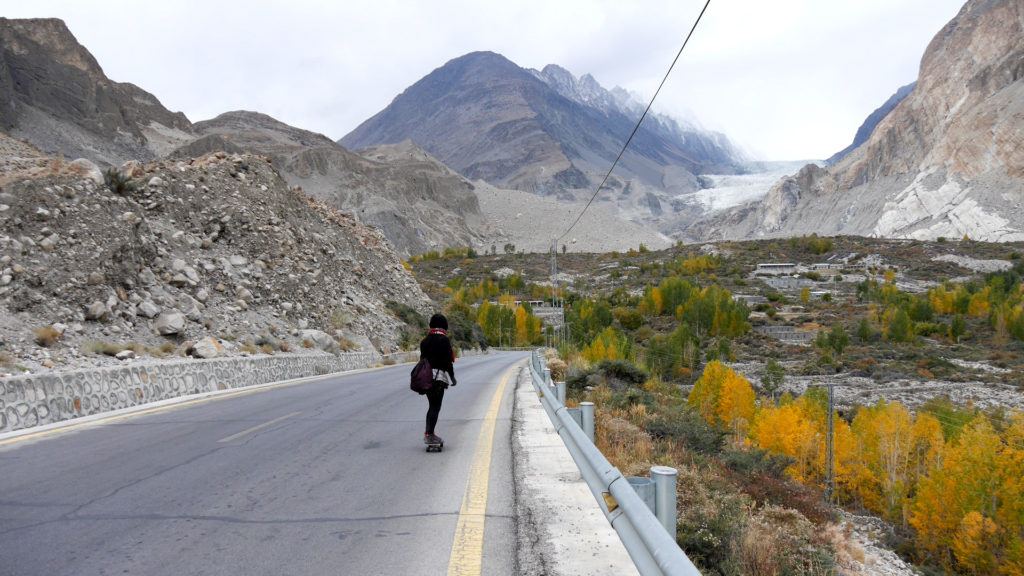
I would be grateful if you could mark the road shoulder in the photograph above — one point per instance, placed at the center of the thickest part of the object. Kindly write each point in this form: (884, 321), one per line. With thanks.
(562, 530)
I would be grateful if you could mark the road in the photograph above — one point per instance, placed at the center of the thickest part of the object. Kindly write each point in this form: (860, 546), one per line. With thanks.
(317, 477)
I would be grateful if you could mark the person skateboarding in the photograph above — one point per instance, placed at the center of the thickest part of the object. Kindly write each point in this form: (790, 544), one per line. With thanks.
(437, 349)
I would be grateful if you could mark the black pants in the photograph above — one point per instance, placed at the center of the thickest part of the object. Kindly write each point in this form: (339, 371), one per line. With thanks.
(434, 397)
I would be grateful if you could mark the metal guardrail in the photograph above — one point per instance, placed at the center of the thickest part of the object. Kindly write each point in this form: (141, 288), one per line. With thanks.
(653, 550)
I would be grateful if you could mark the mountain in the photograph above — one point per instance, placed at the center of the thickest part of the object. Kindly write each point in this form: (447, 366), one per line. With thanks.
(947, 161)
(545, 132)
(417, 201)
(56, 96)
(59, 100)
(868, 126)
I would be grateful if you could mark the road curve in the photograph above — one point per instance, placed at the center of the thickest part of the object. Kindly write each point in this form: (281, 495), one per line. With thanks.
(318, 477)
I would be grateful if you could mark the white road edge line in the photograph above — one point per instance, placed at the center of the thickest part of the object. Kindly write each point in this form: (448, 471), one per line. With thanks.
(257, 428)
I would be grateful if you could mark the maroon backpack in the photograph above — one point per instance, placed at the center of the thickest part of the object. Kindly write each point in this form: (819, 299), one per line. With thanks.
(422, 377)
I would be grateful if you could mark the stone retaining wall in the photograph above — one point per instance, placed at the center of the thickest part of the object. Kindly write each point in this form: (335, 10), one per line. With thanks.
(27, 401)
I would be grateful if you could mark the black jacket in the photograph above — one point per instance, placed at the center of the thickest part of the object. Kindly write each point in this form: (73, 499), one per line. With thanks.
(437, 349)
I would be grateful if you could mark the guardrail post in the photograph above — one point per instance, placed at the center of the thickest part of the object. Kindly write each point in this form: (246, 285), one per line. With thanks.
(561, 392)
(547, 376)
(645, 490)
(587, 409)
(665, 497)
(577, 416)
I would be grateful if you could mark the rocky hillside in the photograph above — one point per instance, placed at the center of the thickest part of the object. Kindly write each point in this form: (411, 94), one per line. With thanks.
(948, 161)
(218, 246)
(60, 101)
(56, 96)
(869, 124)
(543, 132)
(418, 202)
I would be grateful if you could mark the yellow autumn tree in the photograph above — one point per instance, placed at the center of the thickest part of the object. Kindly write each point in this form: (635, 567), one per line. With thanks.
(941, 300)
(736, 404)
(967, 482)
(884, 431)
(605, 346)
(927, 445)
(979, 305)
(791, 429)
(847, 463)
(724, 397)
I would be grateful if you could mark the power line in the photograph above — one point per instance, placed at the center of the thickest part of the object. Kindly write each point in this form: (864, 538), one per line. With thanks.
(637, 127)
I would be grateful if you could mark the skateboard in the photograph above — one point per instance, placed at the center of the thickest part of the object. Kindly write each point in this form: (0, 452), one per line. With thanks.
(435, 447)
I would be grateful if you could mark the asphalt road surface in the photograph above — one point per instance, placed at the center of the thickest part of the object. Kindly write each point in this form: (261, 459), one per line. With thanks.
(317, 477)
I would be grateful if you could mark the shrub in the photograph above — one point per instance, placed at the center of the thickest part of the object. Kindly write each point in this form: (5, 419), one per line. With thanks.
(623, 370)
(558, 369)
(117, 182)
(755, 460)
(46, 336)
(685, 425)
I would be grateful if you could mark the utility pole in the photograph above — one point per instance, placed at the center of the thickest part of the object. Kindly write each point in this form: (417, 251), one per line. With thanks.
(830, 472)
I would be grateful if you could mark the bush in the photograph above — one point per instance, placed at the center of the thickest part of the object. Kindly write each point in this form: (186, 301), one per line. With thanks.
(617, 375)
(686, 426)
(756, 461)
(117, 182)
(623, 370)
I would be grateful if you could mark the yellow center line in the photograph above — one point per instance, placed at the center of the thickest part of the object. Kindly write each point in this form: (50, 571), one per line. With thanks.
(468, 548)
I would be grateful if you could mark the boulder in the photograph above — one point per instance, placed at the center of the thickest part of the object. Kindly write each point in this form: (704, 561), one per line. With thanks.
(97, 311)
(132, 169)
(147, 309)
(208, 347)
(86, 169)
(321, 340)
(170, 323)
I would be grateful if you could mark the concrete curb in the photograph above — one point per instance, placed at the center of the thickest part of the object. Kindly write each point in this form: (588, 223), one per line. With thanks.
(563, 531)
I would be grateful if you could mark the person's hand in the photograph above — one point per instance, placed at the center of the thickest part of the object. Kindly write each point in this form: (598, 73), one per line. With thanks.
(453, 382)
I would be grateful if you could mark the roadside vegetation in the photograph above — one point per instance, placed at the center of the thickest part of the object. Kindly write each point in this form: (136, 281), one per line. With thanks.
(673, 348)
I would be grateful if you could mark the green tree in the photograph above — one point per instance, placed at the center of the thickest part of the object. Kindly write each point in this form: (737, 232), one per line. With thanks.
(899, 327)
(957, 327)
(864, 330)
(838, 339)
(773, 377)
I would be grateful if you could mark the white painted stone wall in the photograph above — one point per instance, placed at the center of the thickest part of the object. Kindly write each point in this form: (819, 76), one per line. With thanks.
(27, 401)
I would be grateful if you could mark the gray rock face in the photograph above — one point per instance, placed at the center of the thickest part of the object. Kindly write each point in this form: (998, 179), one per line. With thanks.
(947, 161)
(57, 97)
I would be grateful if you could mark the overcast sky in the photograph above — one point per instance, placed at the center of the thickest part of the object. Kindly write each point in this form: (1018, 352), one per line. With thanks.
(784, 79)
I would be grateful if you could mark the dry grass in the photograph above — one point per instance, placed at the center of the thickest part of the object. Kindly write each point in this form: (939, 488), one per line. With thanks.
(622, 441)
(559, 369)
(346, 344)
(47, 336)
(849, 553)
